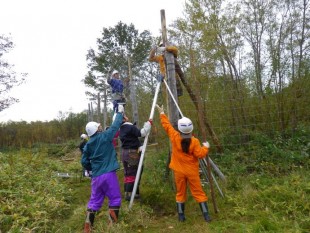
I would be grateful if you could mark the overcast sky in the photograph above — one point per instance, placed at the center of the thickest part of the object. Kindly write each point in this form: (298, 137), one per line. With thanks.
(51, 40)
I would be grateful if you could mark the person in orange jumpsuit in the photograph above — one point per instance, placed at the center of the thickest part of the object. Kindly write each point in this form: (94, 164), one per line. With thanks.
(186, 150)
(157, 55)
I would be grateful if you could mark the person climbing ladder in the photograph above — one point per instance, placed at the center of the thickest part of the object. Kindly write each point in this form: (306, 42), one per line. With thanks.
(117, 90)
(157, 54)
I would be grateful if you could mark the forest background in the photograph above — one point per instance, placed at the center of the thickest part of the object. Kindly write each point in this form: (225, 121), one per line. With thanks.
(248, 62)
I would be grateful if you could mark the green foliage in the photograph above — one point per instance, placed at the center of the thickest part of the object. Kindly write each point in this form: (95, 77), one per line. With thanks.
(8, 78)
(257, 199)
(59, 150)
(31, 197)
(23, 134)
(275, 154)
(258, 109)
(239, 58)
(115, 48)
(116, 44)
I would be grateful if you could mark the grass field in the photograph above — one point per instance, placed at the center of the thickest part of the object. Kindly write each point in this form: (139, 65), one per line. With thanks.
(260, 195)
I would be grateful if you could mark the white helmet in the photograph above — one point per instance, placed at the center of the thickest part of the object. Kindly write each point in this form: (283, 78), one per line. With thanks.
(91, 128)
(83, 136)
(115, 72)
(185, 125)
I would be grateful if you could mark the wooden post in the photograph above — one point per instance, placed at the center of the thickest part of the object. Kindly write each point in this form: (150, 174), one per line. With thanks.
(170, 74)
(91, 111)
(105, 106)
(133, 94)
(88, 113)
(98, 107)
(171, 116)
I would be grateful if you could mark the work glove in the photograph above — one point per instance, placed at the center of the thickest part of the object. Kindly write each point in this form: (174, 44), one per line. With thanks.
(146, 129)
(151, 121)
(120, 108)
(160, 109)
(160, 78)
(206, 144)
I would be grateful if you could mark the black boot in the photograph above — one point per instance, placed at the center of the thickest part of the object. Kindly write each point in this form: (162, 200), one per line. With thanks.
(127, 196)
(180, 209)
(205, 211)
(137, 195)
(128, 187)
(113, 212)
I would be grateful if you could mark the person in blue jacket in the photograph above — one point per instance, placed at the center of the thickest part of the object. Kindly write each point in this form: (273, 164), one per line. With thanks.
(117, 86)
(99, 155)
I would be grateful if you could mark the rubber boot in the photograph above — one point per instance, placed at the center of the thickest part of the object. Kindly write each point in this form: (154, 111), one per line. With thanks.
(89, 222)
(126, 191)
(113, 212)
(205, 211)
(127, 196)
(180, 209)
(128, 187)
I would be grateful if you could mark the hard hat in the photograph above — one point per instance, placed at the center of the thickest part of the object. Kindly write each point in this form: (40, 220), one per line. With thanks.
(115, 72)
(91, 128)
(185, 125)
(83, 136)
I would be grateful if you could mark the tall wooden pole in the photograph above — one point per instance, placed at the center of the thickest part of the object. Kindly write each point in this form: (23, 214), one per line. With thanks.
(171, 111)
(133, 94)
(170, 74)
(105, 106)
(98, 107)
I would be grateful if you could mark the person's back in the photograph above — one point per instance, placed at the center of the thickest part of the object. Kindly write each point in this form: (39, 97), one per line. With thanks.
(101, 152)
(181, 161)
(186, 151)
(99, 155)
(129, 136)
(115, 139)
(117, 86)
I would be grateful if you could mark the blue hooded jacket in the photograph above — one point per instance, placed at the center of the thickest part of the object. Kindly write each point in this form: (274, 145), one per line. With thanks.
(99, 154)
(117, 85)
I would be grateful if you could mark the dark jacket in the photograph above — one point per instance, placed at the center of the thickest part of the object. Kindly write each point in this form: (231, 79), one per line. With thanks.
(129, 135)
(82, 144)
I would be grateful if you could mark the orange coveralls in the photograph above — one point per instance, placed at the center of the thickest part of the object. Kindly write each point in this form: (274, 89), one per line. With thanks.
(160, 59)
(185, 166)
